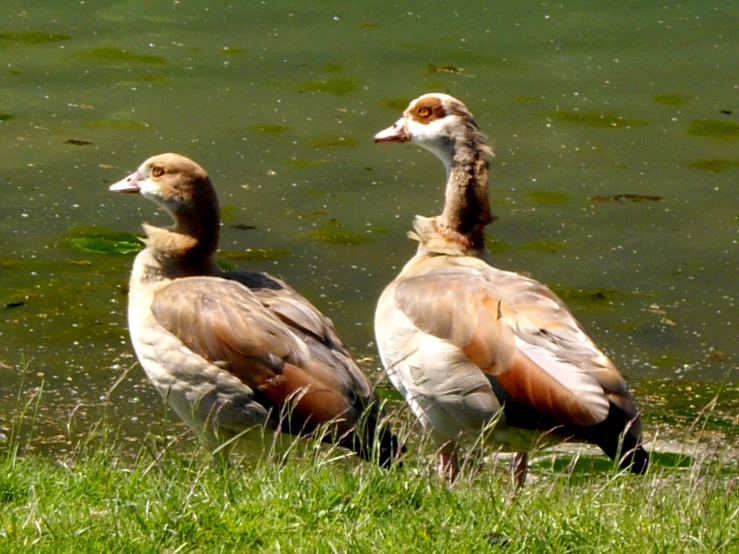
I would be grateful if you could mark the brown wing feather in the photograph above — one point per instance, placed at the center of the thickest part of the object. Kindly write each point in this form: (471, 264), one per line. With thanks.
(484, 320)
(240, 335)
(331, 359)
(525, 382)
(453, 308)
(544, 312)
(230, 329)
(312, 402)
(290, 307)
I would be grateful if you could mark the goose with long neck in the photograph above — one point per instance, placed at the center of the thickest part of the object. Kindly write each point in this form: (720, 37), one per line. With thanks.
(444, 126)
(231, 351)
(477, 351)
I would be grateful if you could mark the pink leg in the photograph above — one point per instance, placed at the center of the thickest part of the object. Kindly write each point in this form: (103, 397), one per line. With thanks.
(519, 468)
(448, 464)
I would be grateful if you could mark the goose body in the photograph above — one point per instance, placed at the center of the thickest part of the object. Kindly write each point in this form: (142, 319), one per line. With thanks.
(471, 346)
(230, 351)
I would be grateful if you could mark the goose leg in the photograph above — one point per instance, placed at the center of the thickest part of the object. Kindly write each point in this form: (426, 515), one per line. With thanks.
(520, 468)
(448, 466)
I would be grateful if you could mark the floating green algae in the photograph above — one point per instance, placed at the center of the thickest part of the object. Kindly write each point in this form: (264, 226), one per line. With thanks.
(229, 212)
(232, 51)
(332, 234)
(116, 124)
(432, 85)
(715, 165)
(550, 246)
(156, 79)
(112, 54)
(16, 264)
(670, 360)
(326, 141)
(396, 104)
(253, 254)
(33, 37)
(99, 240)
(597, 120)
(242, 226)
(333, 68)
(675, 100)
(598, 294)
(337, 87)
(709, 406)
(495, 246)
(524, 99)
(307, 215)
(632, 197)
(599, 299)
(269, 129)
(6, 116)
(470, 56)
(304, 163)
(715, 129)
(415, 45)
(547, 197)
(445, 68)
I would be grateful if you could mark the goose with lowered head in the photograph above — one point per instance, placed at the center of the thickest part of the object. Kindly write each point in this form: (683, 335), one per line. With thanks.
(472, 347)
(234, 350)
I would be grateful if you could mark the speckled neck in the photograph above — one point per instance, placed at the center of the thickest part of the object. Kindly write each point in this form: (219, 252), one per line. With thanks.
(467, 208)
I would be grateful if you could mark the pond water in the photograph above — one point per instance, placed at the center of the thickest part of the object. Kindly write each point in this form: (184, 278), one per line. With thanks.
(615, 180)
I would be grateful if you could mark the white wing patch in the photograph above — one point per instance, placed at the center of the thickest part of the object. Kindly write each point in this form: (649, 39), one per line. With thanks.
(578, 382)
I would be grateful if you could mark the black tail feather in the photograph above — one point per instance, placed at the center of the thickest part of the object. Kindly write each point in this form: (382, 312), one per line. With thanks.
(619, 435)
(620, 438)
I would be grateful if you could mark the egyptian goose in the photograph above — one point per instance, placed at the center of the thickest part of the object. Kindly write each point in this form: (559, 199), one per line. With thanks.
(470, 346)
(234, 350)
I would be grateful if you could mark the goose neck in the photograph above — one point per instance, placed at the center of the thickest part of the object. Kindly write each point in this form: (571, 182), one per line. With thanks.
(466, 207)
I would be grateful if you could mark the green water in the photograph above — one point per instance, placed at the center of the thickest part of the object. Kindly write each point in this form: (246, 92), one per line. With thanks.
(615, 129)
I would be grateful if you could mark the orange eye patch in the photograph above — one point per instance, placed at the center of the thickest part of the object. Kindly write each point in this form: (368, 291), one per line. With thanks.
(427, 110)
(157, 171)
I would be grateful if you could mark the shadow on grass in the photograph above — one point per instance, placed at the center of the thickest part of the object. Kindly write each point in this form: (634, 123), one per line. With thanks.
(588, 465)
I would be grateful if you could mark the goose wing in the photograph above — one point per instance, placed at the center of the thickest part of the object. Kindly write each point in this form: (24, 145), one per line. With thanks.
(226, 324)
(518, 333)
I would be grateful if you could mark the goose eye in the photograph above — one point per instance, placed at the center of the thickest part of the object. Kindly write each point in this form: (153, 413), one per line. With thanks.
(157, 171)
(424, 111)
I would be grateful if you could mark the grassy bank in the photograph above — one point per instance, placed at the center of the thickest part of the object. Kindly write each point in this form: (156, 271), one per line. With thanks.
(313, 499)
(109, 494)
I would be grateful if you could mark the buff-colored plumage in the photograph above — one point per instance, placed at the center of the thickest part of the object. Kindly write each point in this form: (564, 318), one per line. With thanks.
(230, 351)
(469, 345)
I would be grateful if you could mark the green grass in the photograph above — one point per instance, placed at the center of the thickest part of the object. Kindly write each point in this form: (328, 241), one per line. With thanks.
(170, 497)
(167, 502)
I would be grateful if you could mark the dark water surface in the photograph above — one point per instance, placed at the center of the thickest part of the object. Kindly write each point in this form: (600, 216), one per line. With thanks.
(615, 127)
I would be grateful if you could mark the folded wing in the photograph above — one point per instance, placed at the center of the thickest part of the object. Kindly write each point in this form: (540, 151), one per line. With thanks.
(521, 336)
(239, 335)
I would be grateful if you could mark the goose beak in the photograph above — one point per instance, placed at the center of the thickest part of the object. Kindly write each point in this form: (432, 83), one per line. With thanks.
(395, 133)
(130, 184)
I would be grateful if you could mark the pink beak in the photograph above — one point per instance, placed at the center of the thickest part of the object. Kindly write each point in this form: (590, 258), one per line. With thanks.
(130, 184)
(395, 133)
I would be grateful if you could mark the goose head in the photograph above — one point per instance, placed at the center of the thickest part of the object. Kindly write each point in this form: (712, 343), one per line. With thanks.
(436, 122)
(443, 125)
(184, 190)
(174, 182)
